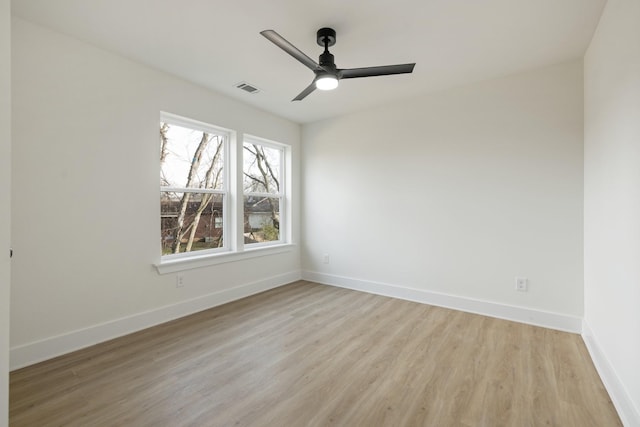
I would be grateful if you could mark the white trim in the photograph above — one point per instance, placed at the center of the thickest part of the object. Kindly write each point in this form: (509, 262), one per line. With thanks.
(38, 351)
(629, 414)
(192, 190)
(263, 195)
(247, 137)
(207, 259)
(529, 316)
(182, 121)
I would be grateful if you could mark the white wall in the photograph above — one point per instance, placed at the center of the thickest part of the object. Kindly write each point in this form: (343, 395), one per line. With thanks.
(612, 203)
(455, 193)
(5, 200)
(85, 186)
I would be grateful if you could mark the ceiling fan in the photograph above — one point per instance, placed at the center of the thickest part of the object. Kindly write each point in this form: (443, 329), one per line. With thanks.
(327, 74)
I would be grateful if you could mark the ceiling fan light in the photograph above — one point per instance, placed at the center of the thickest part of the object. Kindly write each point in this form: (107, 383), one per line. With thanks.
(327, 82)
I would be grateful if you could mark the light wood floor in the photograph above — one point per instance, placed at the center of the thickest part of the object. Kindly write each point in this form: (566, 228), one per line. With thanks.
(313, 355)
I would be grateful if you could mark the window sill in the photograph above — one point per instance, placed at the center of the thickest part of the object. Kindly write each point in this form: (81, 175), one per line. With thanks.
(175, 265)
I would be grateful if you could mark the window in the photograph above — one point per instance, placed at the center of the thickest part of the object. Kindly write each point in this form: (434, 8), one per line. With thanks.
(193, 186)
(263, 187)
(212, 207)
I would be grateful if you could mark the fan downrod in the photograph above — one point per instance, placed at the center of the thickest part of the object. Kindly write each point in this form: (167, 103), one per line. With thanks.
(326, 33)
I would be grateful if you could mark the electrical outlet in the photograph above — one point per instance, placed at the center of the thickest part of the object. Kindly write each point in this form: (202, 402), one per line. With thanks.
(522, 284)
(179, 281)
(325, 258)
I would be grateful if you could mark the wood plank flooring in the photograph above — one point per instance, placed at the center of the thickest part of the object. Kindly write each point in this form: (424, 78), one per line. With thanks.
(313, 355)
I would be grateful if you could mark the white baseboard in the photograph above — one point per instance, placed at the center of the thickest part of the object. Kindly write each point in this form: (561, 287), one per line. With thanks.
(529, 316)
(38, 351)
(629, 414)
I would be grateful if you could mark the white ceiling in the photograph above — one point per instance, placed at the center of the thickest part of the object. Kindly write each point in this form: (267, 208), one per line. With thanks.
(216, 43)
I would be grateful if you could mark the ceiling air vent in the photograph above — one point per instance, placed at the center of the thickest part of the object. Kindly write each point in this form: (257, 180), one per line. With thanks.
(247, 87)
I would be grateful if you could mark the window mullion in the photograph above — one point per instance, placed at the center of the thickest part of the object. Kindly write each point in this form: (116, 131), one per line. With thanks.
(191, 190)
(235, 185)
(257, 194)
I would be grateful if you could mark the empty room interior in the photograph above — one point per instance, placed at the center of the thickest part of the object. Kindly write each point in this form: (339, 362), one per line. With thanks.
(199, 229)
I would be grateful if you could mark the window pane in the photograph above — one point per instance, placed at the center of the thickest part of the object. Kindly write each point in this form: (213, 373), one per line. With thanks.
(190, 221)
(261, 169)
(190, 158)
(261, 219)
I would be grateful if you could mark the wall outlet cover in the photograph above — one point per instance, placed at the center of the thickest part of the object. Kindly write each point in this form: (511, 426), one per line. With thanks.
(522, 284)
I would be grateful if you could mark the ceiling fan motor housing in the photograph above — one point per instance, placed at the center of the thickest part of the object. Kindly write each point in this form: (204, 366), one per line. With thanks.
(327, 62)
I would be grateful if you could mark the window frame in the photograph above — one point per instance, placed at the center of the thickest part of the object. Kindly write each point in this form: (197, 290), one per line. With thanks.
(234, 249)
(281, 195)
(196, 125)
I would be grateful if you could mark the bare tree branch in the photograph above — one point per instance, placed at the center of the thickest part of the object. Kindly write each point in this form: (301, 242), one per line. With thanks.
(210, 182)
(164, 127)
(195, 164)
(262, 162)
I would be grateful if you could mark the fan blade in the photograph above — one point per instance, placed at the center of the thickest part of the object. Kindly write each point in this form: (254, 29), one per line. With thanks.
(283, 44)
(306, 92)
(384, 70)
